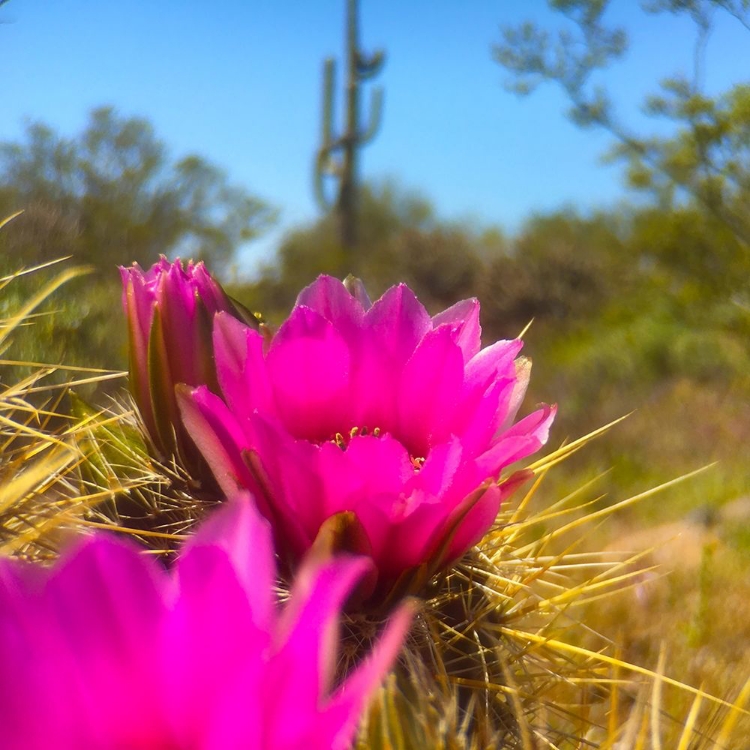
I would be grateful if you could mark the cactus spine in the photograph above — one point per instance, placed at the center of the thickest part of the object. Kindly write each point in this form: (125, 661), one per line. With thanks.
(337, 155)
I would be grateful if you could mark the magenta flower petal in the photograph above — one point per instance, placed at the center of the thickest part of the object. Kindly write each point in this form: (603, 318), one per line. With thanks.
(108, 650)
(311, 401)
(494, 387)
(92, 624)
(383, 463)
(213, 603)
(243, 538)
(525, 437)
(376, 471)
(243, 376)
(403, 521)
(403, 525)
(398, 322)
(472, 523)
(436, 478)
(329, 297)
(463, 320)
(429, 391)
(289, 471)
(374, 382)
(480, 414)
(116, 618)
(381, 412)
(494, 362)
(309, 626)
(217, 434)
(178, 303)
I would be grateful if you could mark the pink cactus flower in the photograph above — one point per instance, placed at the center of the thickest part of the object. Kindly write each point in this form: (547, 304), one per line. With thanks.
(384, 427)
(109, 650)
(169, 310)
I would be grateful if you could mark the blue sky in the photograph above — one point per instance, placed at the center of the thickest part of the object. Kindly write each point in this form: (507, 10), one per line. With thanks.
(238, 81)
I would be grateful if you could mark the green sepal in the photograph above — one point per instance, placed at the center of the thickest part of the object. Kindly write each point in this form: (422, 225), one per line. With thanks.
(161, 387)
(245, 314)
(343, 533)
(203, 354)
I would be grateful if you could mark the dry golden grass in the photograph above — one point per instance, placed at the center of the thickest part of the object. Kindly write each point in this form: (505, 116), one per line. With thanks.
(40, 493)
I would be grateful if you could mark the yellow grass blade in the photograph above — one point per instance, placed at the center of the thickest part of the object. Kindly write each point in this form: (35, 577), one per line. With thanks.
(568, 448)
(21, 485)
(37, 299)
(605, 512)
(635, 668)
(10, 218)
(736, 709)
(687, 731)
(656, 701)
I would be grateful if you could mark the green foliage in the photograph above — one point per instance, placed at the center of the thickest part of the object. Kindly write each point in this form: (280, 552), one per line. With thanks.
(559, 271)
(704, 161)
(80, 325)
(707, 155)
(569, 58)
(655, 317)
(112, 194)
(693, 257)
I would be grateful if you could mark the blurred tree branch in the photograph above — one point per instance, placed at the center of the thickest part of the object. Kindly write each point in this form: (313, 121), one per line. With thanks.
(112, 194)
(705, 160)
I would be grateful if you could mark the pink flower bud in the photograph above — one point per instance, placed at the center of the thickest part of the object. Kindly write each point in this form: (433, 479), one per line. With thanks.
(170, 311)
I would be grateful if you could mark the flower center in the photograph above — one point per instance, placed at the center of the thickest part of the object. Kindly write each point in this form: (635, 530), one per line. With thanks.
(343, 439)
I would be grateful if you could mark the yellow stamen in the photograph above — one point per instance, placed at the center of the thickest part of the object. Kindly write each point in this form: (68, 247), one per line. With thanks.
(343, 439)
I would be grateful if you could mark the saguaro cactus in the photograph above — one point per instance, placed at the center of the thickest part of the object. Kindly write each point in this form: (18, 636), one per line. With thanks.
(337, 155)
